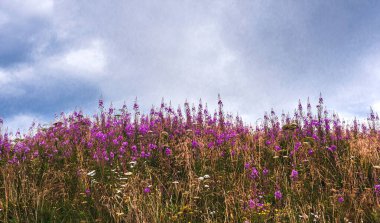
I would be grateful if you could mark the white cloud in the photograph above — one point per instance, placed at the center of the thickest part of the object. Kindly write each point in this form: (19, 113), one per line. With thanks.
(4, 77)
(376, 107)
(3, 19)
(205, 56)
(371, 63)
(88, 62)
(29, 8)
(11, 78)
(256, 55)
(22, 122)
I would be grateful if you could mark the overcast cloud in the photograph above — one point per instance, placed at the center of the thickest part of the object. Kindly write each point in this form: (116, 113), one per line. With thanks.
(63, 55)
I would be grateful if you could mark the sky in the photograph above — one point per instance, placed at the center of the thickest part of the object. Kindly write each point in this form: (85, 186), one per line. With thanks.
(60, 56)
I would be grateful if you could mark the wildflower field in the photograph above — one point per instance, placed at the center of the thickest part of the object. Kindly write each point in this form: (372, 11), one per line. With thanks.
(190, 165)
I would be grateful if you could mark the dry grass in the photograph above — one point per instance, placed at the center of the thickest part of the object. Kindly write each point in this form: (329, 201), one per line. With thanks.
(230, 174)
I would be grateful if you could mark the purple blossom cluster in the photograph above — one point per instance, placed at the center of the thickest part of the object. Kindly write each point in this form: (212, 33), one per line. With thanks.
(377, 189)
(118, 137)
(110, 137)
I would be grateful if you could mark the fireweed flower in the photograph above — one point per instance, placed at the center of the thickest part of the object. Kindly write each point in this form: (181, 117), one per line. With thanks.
(251, 203)
(294, 175)
(194, 144)
(255, 204)
(152, 146)
(297, 146)
(278, 195)
(122, 150)
(260, 205)
(101, 103)
(147, 190)
(105, 155)
(145, 154)
(168, 151)
(134, 148)
(265, 171)
(219, 141)
(377, 189)
(254, 173)
(340, 199)
(332, 148)
(277, 148)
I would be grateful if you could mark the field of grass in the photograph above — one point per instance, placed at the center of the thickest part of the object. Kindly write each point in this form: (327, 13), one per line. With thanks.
(190, 165)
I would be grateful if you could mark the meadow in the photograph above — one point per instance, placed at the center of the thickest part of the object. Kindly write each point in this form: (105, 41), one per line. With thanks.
(188, 164)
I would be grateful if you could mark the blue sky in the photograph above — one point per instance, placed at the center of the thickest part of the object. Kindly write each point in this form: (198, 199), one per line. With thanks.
(57, 56)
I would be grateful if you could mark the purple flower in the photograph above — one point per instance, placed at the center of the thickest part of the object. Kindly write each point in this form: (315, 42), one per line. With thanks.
(122, 150)
(152, 146)
(294, 175)
(332, 148)
(219, 141)
(265, 171)
(88, 192)
(255, 204)
(254, 173)
(105, 155)
(145, 154)
(277, 148)
(168, 151)
(278, 195)
(251, 204)
(340, 199)
(147, 190)
(297, 146)
(194, 144)
(377, 189)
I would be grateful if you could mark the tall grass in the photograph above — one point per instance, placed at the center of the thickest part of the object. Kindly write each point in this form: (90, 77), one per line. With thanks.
(192, 166)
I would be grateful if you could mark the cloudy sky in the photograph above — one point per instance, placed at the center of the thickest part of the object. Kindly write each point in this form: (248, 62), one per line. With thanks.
(60, 55)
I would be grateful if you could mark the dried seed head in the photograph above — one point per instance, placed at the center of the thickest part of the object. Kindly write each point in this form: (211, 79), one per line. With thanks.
(91, 173)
